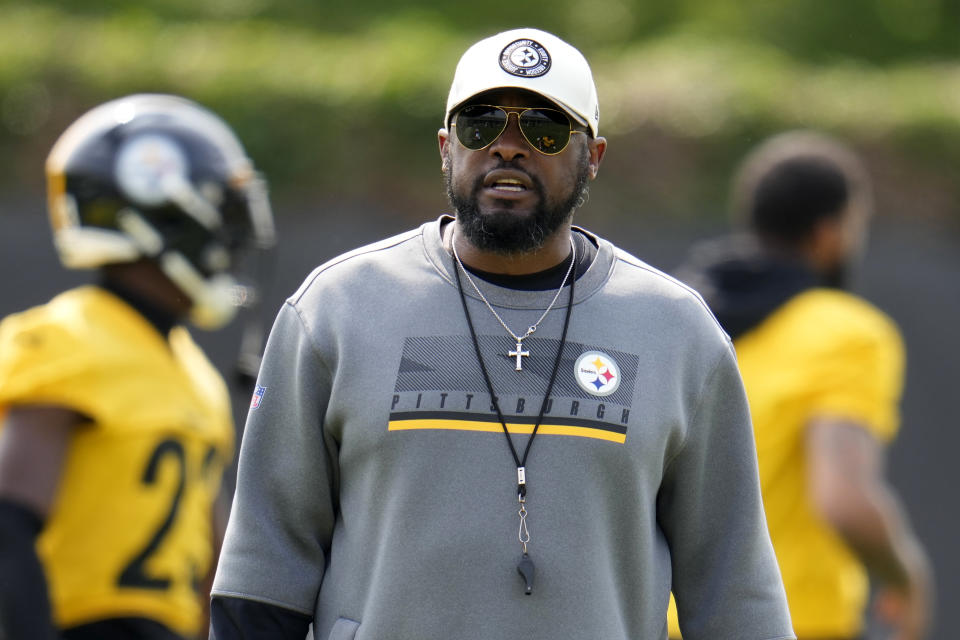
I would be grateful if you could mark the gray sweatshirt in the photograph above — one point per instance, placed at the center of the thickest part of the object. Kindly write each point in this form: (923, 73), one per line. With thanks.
(376, 491)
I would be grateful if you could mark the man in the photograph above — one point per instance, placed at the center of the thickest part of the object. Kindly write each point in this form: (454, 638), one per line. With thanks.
(115, 427)
(823, 371)
(499, 425)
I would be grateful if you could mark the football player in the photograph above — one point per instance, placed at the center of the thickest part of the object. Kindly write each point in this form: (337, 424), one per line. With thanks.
(115, 427)
(823, 369)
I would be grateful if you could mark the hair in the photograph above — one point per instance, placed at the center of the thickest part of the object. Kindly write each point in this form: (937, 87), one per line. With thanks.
(791, 182)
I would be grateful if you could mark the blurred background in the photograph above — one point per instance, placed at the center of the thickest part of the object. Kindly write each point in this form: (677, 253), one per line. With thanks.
(339, 103)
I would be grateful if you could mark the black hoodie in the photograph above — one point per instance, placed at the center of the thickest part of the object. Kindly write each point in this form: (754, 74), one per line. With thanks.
(742, 282)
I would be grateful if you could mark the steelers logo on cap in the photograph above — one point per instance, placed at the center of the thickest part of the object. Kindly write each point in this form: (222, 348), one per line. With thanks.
(525, 58)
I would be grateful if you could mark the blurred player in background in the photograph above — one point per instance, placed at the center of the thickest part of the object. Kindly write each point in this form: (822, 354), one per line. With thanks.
(823, 371)
(115, 426)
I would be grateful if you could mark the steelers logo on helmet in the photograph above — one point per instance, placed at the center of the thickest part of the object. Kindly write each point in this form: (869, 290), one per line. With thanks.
(525, 58)
(148, 166)
(597, 373)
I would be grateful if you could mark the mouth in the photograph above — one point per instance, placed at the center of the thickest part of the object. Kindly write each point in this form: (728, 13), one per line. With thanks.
(508, 185)
(507, 182)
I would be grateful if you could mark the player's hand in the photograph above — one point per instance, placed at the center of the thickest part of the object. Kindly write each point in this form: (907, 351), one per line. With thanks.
(906, 610)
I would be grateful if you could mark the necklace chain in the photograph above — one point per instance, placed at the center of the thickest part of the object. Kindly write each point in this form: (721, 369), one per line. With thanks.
(533, 327)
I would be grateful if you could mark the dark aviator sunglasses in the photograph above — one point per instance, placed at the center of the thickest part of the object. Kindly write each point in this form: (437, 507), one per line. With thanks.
(547, 130)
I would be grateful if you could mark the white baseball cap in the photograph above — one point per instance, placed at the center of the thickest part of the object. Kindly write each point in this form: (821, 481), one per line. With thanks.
(528, 59)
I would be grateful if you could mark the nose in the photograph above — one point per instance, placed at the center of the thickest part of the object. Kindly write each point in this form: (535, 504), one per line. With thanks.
(511, 144)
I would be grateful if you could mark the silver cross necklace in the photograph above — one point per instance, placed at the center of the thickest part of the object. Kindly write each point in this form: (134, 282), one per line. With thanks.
(519, 351)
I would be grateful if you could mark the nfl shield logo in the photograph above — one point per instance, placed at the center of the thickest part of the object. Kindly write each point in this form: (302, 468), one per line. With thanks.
(257, 397)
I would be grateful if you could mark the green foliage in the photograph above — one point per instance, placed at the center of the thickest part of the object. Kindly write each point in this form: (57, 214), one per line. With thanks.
(879, 30)
(345, 98)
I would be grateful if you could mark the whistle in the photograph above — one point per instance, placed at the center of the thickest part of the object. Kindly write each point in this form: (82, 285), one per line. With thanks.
(525, 569)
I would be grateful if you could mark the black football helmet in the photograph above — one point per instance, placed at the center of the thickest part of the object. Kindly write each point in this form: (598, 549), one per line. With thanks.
(161, 177)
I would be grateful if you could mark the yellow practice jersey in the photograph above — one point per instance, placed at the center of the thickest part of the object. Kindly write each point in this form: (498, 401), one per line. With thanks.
(824, 353)
(130, 529)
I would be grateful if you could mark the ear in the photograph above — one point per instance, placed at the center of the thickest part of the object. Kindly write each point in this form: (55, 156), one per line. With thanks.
(443, 137)
(597, 148)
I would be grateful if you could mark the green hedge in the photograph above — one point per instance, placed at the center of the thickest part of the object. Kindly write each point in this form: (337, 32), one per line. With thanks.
(347, 100)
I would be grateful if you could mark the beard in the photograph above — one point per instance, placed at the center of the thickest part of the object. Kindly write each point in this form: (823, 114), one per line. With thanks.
(505, 233)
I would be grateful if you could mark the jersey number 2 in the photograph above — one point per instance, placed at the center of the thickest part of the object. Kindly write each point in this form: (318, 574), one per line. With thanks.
(134, 574)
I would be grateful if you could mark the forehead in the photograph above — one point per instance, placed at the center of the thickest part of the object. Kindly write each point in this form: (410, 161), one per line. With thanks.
(508, 97)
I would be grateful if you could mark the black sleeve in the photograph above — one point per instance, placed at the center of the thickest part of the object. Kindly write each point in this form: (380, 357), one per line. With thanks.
(240, 619)
(120, 629)
(24, 601)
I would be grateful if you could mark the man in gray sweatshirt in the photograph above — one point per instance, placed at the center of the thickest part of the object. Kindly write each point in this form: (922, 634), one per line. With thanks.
(499, 425)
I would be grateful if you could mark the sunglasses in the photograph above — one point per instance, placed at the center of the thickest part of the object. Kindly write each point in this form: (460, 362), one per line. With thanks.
(547, 130)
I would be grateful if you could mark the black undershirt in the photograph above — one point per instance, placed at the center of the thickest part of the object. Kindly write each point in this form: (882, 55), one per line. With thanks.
(120, 629)
(548, 278)
(242, 619)
(24, 602)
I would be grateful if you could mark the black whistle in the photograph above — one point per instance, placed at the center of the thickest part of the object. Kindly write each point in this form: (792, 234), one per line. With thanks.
(525, 569)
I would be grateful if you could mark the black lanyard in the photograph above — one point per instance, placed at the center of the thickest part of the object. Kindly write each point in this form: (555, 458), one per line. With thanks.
(525, 566)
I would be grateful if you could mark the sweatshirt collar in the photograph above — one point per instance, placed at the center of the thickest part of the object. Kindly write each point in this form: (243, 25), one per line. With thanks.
(588, 283)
